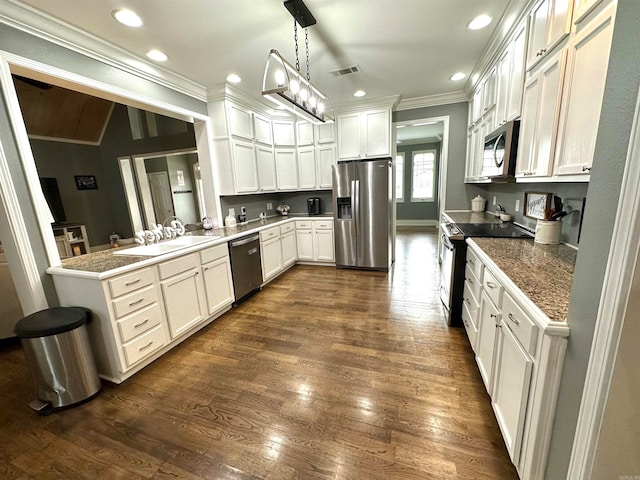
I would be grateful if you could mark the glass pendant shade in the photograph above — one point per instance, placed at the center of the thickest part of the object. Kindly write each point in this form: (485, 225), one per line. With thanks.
(285, 86)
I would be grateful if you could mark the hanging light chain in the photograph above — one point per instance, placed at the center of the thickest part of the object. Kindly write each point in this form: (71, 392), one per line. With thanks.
(295, 38)
(306, 41)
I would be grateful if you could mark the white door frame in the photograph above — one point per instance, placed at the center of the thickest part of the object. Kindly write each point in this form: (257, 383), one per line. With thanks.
(20, 255)
(622, 260)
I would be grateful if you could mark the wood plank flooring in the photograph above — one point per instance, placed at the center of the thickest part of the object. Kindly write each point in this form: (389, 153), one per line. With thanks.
(325, 374)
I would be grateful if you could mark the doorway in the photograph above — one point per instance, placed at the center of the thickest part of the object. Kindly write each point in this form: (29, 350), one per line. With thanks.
(161, 195)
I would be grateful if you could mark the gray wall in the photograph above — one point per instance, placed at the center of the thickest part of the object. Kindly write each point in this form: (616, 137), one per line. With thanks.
(255, 204)
(506, 195)
(458, 194)
(408, 210)
(623, 80)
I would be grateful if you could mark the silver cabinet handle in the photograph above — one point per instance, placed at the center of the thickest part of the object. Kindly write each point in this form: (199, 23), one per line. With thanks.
(467, 301)
(514, 320)
(493, 315)
(470, 281)
(471, 261)
(586, 169)
(490, 284)
(146, 346)
(138, 325)
(131, 304)
(132, 282)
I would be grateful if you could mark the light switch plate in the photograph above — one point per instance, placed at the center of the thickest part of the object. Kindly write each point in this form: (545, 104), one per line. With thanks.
(232, 212)
(494, 200)
(269, 206)
(517, 209)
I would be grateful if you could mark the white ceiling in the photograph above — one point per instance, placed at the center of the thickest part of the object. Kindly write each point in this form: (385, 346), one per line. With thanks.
(406, 47)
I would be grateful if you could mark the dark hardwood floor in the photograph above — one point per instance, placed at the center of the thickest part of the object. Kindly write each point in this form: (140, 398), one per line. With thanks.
(325, 374)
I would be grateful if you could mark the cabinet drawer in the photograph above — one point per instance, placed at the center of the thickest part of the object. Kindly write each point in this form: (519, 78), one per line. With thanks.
(214, 253)
(474, 284)
(470, 299)
(520, 324)
(493, 288)
(144, 345)
(304, 225)
(323, 224)
(135, 301)
(269, 234)
(179, 265)
(470, 325)
(289, 227)
(130, 282)
(477, 267)
(139, 322)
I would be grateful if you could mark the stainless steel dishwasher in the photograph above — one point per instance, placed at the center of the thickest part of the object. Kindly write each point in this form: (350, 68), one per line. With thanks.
(245, 266)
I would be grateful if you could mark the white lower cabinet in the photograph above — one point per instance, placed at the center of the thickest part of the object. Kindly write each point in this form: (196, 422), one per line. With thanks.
(304, 241)
(323, 246)
(183, 292)
(271, 253)
(520, 353)
(216, 274)
(288, 244)
(315, 240)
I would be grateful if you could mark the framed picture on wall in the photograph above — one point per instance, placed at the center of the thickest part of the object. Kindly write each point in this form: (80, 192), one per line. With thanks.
(86, 182)
(537, 205)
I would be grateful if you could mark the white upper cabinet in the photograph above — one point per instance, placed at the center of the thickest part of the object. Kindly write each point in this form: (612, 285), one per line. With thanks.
(550, 24)
(326, 133)
(503, 76)
(477, 104)
(540, 111)
(240, 122)
(516, 77)
(307, 168)
(364, 134)
(582, 8)
(244, 162)
(262, 130)
(304, 131)
(489, 91)
(583, 93)
(286, 169)
(266, 163)
(284, 133)
(326, 159)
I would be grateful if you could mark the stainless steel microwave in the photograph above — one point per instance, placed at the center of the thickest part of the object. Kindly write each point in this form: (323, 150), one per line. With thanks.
(500, 151)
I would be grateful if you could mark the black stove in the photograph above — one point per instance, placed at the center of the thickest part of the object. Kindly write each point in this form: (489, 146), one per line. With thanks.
(498, 230)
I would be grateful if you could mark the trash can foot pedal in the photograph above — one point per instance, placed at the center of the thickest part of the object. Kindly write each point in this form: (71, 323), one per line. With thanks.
(40, 407)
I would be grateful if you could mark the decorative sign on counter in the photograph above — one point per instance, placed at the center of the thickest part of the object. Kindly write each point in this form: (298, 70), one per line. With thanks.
(537, 205)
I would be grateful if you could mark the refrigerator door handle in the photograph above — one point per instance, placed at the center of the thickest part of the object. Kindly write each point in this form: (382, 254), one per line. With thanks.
(355, 201)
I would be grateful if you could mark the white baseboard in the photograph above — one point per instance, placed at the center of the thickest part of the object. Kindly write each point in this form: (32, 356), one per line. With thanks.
(416, 223)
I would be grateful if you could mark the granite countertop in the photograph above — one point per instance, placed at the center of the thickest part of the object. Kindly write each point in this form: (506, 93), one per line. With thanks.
(471, 217)
(105, 261)
(544, 273)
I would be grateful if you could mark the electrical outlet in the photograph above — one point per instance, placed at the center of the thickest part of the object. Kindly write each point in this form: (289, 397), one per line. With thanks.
(494, 200)
(517, 206)
(232, 212)
(269, 206)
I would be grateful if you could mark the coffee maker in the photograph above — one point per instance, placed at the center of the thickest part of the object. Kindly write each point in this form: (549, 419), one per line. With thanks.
(313, 206)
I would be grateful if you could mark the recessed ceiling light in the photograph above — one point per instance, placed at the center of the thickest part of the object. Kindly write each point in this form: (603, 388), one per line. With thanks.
(359, 93)
(127, 17)
(233, 78)
(157, 55)
(479, 22)
(457, 76)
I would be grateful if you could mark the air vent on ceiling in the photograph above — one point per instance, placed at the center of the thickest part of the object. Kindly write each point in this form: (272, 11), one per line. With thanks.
(345, 71)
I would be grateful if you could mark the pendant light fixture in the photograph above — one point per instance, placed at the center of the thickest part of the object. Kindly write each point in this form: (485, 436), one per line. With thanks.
(285, 85)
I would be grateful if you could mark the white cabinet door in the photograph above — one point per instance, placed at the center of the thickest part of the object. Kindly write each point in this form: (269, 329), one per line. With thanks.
(489, 319)
(540, 113)
(218, 284)
(326, 133)
(377, 133)
(244, 163)
(559, 22)
(262, 129)
(240, 122)
(537, 31)
(307, 168)
(304, 242)
(271, 254)
(266, 168)
(348, 136)
(517, 73)
(511, 390)
(503, 73)
(489, 91)
(326, 159)
(305, 133)
(477, 104)
(583, 92)
(582, 8)
(550, 24)
(289, 251)
(284, 133)
(323, 246)
(184, 300)
(286, 169)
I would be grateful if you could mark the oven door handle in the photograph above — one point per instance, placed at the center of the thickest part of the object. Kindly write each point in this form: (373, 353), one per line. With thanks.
(495, 151)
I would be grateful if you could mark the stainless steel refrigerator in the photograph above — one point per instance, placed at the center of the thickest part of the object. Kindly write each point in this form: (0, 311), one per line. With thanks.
(362, 199)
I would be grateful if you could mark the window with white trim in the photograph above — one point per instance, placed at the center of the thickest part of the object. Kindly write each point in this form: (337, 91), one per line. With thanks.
(400, 177)
(423, 175)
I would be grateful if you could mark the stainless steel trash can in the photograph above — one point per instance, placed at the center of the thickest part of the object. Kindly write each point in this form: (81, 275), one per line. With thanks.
(59, 356)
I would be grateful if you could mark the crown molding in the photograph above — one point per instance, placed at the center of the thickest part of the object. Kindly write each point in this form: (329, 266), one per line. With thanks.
(46, 27)
(390, 101)
(243, 99)
(432, 100)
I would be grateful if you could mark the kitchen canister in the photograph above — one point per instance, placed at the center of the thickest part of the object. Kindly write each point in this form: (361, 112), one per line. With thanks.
(548, 232)
(477, 204)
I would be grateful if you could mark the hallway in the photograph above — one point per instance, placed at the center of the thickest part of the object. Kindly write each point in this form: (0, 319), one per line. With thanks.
(325, 374)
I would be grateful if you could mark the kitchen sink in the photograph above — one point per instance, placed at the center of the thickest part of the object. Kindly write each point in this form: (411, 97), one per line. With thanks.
(168, 246)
